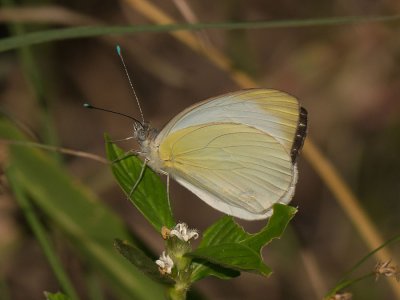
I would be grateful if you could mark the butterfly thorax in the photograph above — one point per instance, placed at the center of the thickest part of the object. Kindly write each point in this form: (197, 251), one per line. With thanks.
(146, 135)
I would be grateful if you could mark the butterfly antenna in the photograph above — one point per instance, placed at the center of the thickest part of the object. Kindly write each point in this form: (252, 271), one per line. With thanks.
(130, 81)
(87, 105)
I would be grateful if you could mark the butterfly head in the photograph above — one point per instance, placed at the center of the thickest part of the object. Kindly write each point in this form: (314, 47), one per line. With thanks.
(144, 134)
(139, 131)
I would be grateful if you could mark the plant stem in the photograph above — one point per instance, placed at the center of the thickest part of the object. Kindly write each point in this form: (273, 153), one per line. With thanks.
(177, 249)
(178, 292)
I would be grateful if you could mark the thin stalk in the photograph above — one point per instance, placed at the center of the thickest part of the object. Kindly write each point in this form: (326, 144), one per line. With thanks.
(347, 283)
(92, 31)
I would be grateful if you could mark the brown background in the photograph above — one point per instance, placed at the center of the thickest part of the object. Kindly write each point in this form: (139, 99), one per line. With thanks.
(347, 76)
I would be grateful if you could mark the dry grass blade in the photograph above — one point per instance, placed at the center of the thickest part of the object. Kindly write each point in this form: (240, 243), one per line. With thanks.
(321, 164)
(56, 149)
(190, 16)
(314, 273)
(46, 14)
(187, 38)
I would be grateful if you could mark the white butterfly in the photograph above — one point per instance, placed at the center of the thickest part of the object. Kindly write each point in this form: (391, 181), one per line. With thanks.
(237, 152)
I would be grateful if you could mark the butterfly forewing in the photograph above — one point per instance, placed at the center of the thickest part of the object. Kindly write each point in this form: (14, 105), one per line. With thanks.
(271, 111)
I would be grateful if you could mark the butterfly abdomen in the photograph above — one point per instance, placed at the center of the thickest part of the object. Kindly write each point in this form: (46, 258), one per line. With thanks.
(300, 135)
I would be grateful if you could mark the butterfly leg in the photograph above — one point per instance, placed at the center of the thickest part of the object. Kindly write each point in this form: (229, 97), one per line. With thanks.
(167, 174)
(139, 179)
(168, 187)
(122, 140)
(126, 155)
(169, 202)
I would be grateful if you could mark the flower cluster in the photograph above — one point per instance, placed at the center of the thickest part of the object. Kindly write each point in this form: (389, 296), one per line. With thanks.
(341, 296)
(386, 269)
(182, 232)
(165, 263)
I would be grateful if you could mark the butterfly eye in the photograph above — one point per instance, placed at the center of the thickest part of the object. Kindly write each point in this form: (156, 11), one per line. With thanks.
(139, 132)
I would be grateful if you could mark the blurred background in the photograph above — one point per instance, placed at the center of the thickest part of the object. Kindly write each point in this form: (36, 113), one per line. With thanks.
(346, 76)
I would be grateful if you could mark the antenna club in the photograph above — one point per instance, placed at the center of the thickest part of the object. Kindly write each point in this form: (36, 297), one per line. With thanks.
(87, 105)
(118, 48)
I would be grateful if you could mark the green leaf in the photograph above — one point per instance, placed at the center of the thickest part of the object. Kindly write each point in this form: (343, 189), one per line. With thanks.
(144, 263)
(225, 230)
(89, 224)
(225, 243)
(150, 196)
(56, 296)
(203, 268)
(274, 229)
(236, 256)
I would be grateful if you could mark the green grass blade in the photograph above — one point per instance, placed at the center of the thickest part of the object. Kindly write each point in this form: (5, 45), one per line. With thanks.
(89, 225)
(92, 31)
(41, 235)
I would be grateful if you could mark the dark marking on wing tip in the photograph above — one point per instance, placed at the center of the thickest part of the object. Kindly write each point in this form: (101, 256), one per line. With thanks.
(300, 135)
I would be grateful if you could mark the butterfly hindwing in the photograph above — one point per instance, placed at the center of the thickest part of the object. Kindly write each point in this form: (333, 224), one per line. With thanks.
(234, 167)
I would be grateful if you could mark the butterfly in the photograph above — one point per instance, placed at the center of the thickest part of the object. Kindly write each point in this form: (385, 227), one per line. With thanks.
(237, 152)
